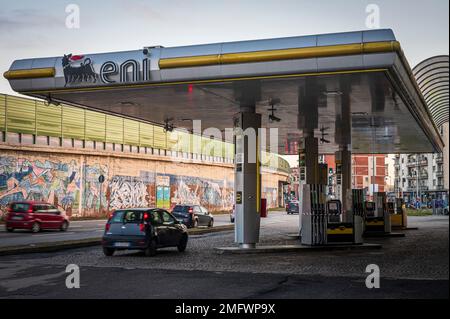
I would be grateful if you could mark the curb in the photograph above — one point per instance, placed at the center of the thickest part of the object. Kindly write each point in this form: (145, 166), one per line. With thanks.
(49, 247)
(295, 248)
(71, 244)
(201, 231)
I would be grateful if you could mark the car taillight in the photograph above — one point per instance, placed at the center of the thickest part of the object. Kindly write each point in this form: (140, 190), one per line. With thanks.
(30, 211)
(142, 227)
(107, 226)
(191, 211)
(145, 216)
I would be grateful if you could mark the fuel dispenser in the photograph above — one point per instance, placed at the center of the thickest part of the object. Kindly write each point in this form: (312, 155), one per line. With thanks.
(337, 231)
(314, 217)
(358, 215)
(399, 218)
(322, 221)
(377, 217)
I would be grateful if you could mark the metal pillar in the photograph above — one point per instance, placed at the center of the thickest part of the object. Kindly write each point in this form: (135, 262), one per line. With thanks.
(343, 157)
(344, 182)
(308, 121)
(247, 177)
(308, 163)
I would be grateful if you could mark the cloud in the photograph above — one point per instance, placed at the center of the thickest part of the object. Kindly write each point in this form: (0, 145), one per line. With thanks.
(139, 9)
(18, 20)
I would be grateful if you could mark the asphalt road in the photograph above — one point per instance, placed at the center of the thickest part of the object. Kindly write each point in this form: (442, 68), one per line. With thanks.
(415, 266)
(77, 230)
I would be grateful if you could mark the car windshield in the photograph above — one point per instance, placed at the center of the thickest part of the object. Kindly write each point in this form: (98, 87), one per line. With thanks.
(127, 216)
(20, 207)
(181, 209)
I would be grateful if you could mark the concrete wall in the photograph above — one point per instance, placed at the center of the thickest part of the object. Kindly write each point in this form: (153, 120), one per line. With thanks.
(69, 178)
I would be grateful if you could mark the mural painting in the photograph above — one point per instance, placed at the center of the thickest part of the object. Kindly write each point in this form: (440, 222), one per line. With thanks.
(64, 183)
(54, 182)
(94, 199)
(212, 194)
(131, 191)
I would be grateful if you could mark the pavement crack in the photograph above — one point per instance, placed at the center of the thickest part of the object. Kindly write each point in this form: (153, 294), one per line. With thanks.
(276, 286)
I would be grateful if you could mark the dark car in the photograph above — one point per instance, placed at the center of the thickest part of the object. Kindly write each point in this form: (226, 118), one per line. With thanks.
(145, 229)
(193, 215)
(293, 207)
(35, 216)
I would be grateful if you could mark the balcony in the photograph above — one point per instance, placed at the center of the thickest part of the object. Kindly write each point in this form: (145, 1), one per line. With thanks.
(414, 188)
(439, 173)
(440, 159)
(423, 176)
(423, 162)
(411, 163)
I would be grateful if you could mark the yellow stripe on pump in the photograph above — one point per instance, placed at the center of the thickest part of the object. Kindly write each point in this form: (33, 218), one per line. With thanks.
(282, 54)
(29, 74)
(340, 231)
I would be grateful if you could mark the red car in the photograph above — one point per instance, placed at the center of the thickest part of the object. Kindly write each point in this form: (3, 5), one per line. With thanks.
(35, 216)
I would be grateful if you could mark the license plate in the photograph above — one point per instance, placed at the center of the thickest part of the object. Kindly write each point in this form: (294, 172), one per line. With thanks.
(17, 218)
(122, 244)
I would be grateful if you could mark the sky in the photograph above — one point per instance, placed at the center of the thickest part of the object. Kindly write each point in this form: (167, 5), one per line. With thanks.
(30, 28)
(38, 28)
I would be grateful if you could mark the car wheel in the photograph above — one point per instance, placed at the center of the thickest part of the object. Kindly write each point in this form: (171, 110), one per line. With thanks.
(108, 251)
(150, 251)
(36, 228)
(9, 229)
(195, 223)
(211, 223)
(64, 226)
(182, 244)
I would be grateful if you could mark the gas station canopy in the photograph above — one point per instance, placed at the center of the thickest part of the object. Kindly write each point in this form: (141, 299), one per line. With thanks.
(285, 77)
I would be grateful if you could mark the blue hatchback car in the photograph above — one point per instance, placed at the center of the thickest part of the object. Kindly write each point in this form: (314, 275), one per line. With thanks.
(145, 229)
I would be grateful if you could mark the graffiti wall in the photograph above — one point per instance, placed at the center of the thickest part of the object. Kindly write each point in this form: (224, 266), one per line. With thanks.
(55, 182)
(94, 185)
(212, 194)
(128, 191)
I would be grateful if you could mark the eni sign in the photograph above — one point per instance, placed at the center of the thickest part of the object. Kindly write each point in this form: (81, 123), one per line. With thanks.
(105, 69)
(128, 71)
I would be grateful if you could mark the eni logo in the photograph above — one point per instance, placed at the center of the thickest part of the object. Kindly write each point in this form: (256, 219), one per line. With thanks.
(76, 68)
(128, 71)
(80, 69)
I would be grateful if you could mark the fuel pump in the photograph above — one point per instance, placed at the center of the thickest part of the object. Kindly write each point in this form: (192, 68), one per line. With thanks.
(358, 215)
(373, 223)
(314, 217)
(399, 219)
(337, 231)
(378, 218)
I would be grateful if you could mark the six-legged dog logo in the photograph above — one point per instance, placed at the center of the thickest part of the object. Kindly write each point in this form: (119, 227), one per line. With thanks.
(83, 72)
